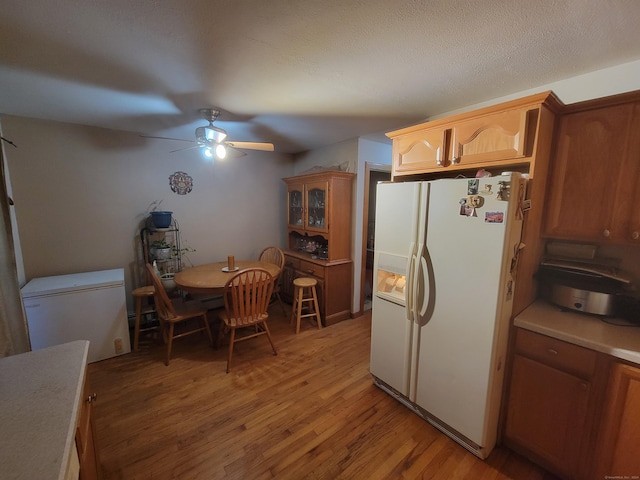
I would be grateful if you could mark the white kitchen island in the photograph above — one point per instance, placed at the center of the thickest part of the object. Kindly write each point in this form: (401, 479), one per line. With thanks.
(40, 399)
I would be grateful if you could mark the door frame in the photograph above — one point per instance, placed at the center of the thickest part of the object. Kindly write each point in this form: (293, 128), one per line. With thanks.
(368, 169)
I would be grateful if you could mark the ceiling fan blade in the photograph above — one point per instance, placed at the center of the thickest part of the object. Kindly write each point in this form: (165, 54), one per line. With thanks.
(168, 138)
(265, 147)
(234, 152)
(186, 148)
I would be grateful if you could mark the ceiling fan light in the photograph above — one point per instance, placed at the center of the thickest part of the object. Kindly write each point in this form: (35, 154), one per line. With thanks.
(221, 151)
(211, 133)
(208, 152)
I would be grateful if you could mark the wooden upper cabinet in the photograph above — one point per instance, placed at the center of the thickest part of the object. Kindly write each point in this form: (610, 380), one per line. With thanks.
(490, 138)
(425, 149)
(503, 134)
(594, 183)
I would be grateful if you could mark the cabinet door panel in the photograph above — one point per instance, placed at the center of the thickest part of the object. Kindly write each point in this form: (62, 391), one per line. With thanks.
(286, 281)
(420, 151)
(492, 137)
(546, 413)
(588, 172)
(620, 429)
(626, 228)
(295, 203)
(316, 195)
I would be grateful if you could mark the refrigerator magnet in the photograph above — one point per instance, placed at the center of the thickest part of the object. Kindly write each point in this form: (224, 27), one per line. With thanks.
(486, 190)
(472, 186)
(494, 217)
(463, 206)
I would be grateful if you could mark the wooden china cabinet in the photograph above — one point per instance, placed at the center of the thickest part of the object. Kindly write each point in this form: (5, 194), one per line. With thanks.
(319, 239)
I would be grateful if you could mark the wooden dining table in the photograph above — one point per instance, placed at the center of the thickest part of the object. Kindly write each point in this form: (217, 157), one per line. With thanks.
(212, 277)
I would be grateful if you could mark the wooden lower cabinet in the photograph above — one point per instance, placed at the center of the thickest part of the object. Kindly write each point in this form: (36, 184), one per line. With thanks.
(86, 437)
(619, 435)
(334, 284)
(547, 411)
(555, 394)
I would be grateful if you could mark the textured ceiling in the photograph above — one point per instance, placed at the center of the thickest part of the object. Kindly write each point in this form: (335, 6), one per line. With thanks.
(298, 73)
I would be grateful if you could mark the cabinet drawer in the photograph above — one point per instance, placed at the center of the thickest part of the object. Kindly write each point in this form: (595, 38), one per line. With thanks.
(556, 353)
(308, 268)
(291, 262)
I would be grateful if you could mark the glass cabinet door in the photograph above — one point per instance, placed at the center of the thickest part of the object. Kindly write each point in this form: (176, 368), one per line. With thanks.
(316, 196)
(296, 208)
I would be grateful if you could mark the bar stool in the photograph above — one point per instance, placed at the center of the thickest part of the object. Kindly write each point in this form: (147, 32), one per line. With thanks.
(139, 294)
(305, 292)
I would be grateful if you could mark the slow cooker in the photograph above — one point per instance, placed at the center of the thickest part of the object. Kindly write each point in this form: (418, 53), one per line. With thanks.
(580, 289)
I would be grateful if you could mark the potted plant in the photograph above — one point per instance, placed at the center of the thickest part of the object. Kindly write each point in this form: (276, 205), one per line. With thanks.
(182, 253)
(161, 219)
(161, 250)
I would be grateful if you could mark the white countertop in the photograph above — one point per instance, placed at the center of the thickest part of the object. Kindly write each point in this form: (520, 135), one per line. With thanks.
(581, 329)
(40, 394)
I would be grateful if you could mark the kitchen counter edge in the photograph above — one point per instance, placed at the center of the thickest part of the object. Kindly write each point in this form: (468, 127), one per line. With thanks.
(39, 405)
(581, 329)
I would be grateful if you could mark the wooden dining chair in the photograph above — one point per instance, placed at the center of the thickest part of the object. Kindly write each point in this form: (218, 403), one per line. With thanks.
(275, 256)
(188, 319)
(246, 300)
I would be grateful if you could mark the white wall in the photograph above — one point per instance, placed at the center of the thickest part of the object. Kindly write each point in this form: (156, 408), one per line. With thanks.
(81, 195)
(600, 83)
(343, 155)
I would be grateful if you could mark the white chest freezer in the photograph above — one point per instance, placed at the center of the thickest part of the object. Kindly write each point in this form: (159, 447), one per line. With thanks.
(80, 306)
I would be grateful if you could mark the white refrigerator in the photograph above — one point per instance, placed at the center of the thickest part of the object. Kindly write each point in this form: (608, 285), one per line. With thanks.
(444, 268)
(80, 306)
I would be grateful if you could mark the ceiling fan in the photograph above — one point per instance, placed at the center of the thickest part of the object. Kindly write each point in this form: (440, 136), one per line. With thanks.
(213, 140)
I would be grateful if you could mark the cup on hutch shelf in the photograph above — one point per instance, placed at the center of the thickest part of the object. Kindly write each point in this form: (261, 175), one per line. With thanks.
(231, 262)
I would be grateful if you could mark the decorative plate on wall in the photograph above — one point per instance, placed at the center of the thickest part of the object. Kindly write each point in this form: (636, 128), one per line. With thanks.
(181, 183)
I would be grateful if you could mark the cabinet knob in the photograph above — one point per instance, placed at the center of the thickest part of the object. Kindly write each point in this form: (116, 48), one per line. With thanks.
(635, 235)
(606, 233)
(92, 398)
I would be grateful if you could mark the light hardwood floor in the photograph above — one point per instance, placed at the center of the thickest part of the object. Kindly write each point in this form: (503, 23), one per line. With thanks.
(311, 412)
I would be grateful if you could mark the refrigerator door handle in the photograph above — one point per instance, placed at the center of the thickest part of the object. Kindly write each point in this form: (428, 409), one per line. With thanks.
(415, 283)
(424, 278)
(410, 276)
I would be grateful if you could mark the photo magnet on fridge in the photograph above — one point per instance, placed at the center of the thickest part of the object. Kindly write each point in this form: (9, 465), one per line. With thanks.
(472, 186)
(494, 217)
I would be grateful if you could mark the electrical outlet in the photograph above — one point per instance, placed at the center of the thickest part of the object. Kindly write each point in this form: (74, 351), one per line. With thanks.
(118, 344)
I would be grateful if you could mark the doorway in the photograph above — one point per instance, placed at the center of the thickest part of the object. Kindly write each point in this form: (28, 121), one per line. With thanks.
(374, 173)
